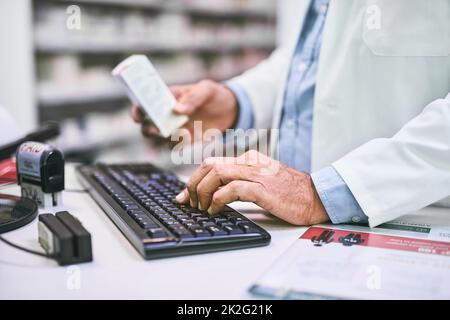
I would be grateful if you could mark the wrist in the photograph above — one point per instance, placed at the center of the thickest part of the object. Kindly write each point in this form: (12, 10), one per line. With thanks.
(231, 108)
(319, 213)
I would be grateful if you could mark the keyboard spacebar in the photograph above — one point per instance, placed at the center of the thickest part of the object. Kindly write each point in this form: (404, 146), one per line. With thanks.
(164, 241)
(221, 237)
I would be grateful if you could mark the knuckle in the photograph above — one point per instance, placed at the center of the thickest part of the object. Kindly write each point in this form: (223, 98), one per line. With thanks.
(191, 187)
(202, 191)
(254, 175)
(218, 170)
(208, 162)
(259, 192)
(216, 200)
(235, 186)
(251, 156)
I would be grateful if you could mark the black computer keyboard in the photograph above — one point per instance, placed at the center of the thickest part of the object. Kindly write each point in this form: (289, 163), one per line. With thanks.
(140, 200)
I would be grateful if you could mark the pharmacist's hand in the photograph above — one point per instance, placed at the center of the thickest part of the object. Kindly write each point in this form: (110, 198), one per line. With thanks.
(254, 177)
(207, 101)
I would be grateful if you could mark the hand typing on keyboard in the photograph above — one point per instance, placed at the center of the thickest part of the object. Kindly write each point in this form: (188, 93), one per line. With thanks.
(140, 199)
(253, 177)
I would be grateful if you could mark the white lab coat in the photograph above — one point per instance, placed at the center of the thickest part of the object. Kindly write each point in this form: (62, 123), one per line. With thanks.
(382, 104)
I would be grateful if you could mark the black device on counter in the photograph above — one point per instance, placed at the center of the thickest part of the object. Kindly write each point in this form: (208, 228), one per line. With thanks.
(140, 200)
(64, 238)
(40, 172)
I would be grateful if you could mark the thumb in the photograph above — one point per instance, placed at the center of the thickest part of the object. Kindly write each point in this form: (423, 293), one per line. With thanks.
(179, 90)
(195, 98)
(184, 108)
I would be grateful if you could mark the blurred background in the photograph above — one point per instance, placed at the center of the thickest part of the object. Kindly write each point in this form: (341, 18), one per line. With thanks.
(54, 72)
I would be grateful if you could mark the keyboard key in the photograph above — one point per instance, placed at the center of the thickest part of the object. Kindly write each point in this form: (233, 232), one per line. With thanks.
(177, 224)
(127, 201)
(238, 220)
(143, 200)
(248, 228)
(195, 214)
(121, 197)
(201, 232)
(148, 224)
(191, 225)
(166, 216)
(136, 213)
(233, 230)
(143, 220)
(130, 207)
(207, 224)
(219, 219)
(226, 223)
(215, 231)
(183, 217)
(160, 213)
(183, 233)
(157, 233)
(154, 208)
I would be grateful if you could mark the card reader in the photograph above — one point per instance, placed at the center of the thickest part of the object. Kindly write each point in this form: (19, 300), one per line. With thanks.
(64, 238)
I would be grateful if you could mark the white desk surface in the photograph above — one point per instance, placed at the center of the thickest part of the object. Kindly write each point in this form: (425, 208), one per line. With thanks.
(119, 272)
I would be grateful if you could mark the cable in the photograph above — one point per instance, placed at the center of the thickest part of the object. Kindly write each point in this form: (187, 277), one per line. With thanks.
(76, 190)
(25, 249)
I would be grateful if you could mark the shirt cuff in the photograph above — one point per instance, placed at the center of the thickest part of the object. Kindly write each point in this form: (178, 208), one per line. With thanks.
(245, 117)
(336, 197)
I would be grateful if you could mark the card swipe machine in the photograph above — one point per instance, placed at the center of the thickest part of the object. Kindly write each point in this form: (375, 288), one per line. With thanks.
(40, 173)
(64, 238)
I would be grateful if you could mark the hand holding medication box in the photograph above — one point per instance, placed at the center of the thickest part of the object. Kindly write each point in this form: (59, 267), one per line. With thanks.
(146, 89)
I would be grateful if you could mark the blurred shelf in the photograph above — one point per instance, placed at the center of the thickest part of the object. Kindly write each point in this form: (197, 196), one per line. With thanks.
(194, 10)
(63, 106)
(48, 47)
(244, 13)
(80, 97)
(146, 4)
(54, 107)
(85, 150)
(57, 50)
(60, 99)
(76, 110)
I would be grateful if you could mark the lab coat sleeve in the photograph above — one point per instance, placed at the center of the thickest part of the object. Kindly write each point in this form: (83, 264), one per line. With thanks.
(399, 175)
(340, 204)
(262, 85)
(245, 116)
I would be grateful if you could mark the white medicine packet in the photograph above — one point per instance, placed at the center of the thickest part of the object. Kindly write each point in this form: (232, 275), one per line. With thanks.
(146, 89)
